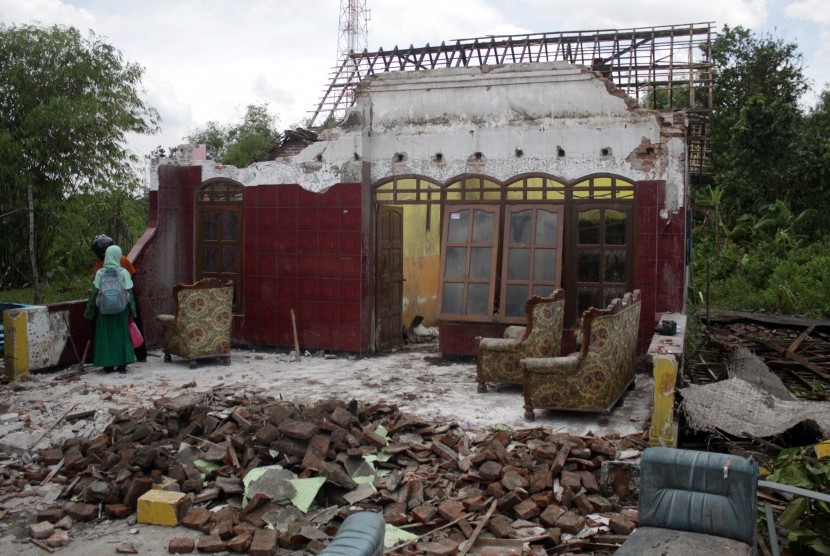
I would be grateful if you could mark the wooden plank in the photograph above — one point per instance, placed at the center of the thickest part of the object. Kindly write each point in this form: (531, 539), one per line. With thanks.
(718, 315)
(793, 357)
(801, 337)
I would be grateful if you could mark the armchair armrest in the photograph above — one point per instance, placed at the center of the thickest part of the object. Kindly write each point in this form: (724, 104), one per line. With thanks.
(167, 321)
(499, 344)
(552, 365)
(514, 332)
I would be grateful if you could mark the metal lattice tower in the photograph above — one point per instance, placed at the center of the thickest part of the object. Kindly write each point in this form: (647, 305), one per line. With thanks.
(354, 28)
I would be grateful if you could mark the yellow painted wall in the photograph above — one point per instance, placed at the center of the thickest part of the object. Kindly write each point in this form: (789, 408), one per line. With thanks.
(422, 258)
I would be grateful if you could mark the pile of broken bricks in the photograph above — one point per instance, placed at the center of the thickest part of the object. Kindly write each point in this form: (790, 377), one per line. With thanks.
(250, 474)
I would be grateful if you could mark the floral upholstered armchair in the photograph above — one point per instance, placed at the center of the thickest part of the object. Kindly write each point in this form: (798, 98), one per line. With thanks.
(498, 358)
(594, 378)
(201, 327)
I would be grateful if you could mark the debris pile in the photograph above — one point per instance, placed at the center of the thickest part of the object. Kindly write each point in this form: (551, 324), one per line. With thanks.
(252, 474)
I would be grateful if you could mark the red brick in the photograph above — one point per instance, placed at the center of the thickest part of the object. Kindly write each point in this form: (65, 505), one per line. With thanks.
(263, 543)
(181, 545)
(80, 511)
(210, 543)
(197, 518)
(240, 543)
(621, 525)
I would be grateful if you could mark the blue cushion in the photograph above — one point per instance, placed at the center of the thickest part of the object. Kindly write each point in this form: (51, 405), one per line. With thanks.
(361, 534)
(689, 490)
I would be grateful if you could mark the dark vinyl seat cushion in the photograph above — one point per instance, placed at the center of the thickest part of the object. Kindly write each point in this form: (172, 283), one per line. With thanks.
(687, 496)
(360, 534)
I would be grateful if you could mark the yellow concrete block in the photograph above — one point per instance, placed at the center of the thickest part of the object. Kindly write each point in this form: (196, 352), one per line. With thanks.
(662, 432)
(158, 507)
(16, 355)
(823, 449)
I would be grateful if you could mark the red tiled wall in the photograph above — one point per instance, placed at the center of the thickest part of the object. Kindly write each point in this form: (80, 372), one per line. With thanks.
(80, 328)
(661, 257)
(305, 251)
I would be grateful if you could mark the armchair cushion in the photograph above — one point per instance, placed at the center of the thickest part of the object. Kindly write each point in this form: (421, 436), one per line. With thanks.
(498, 358)
(695, 499)
(202, 325)
(594, 378)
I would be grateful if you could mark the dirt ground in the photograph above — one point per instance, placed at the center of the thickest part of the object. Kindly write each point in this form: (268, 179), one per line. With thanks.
(414, 378)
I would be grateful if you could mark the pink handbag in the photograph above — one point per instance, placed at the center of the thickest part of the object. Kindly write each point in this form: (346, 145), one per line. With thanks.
(135, 334)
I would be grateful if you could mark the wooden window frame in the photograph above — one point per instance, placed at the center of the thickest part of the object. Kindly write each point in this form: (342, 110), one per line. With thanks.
(505, 247)
(212, 196)
(469, 245)
(626, 207)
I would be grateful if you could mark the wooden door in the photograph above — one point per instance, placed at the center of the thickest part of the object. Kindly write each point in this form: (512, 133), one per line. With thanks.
(389, 277)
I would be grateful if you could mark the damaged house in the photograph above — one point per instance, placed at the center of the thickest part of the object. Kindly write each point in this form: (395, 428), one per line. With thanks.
(459, 181)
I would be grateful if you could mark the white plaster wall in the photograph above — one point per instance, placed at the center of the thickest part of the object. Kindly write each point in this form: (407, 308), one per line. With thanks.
(492, 110)
(47, 335)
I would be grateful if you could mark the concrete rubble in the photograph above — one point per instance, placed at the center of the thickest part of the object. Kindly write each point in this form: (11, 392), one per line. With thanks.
(235, 470)
(435, 481)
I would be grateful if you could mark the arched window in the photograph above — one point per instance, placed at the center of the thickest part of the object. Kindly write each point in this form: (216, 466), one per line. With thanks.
(503, 242)
(219, 234)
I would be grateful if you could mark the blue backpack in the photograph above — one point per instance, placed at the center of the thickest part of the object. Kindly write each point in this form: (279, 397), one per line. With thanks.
(112, 295)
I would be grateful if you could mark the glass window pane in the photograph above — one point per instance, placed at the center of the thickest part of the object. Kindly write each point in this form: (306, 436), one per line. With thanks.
(482, 227)
(209, 256)
(520, 226)
(589, 227)
(210, 224)
(542, 291)
(518, 266)
(545, 227)
(456, 264)
(229, 226)
(452, 297)
(615, 224)
(613, 293)
(544, 264)
(615, 265)
(459, 222)
(229, 258)
(480, 262)
(477, 298)
(588, 265)
(516, 299)
(588, 297)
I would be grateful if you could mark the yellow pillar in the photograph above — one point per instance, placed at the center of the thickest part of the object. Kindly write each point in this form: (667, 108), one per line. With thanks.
(662, 432)
(16, 355)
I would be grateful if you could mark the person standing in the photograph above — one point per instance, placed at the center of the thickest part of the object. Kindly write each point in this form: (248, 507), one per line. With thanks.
(111, 290)
(99, 247)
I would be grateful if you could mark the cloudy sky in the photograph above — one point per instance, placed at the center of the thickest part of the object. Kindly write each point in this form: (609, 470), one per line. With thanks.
(205, 60)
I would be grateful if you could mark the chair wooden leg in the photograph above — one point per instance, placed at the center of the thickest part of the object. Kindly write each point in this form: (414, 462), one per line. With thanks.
(482, 387)
(167, 358)
(603, 419)
(529, 414)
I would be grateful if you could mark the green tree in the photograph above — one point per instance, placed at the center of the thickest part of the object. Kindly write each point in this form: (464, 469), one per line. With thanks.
(814, 166)
(254, 139)
(758, 83)
(67, 102)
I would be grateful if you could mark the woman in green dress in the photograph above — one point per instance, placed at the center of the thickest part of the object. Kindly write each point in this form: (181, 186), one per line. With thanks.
(113, 347)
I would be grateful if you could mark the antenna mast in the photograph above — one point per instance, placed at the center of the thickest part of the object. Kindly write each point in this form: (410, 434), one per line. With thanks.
(354, 28)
